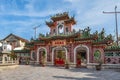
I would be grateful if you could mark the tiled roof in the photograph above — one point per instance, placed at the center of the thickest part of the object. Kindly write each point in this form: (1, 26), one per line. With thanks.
(17, 37)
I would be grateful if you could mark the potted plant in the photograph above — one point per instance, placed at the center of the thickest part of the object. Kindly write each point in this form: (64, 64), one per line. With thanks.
(27, 61)
(99, 65)
(66, 64)
(13, 55)
(43, 58)
(78, 64)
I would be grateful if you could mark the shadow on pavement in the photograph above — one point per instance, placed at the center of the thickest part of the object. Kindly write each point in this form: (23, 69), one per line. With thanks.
(73, 78)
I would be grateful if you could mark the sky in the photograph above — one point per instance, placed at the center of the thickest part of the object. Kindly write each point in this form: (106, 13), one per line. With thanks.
(21, 16)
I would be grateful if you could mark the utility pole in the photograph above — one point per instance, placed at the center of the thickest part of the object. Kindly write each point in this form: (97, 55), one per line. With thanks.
(115, 12)
(35, 28)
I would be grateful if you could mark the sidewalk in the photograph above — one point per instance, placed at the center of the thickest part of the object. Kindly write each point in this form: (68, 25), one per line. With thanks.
(28, 72)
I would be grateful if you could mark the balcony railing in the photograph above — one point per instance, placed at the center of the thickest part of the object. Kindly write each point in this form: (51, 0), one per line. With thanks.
(11, 62)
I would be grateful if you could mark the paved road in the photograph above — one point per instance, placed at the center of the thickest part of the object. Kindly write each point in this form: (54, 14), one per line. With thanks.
(27, 72)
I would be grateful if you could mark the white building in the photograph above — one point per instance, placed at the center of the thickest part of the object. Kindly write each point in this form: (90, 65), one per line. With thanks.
(9, 43)
(5, 50)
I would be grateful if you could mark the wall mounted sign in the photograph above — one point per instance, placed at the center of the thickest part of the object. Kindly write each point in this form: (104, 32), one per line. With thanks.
(59, 43)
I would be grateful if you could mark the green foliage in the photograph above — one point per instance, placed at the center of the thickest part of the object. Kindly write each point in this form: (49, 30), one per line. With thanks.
(47, 35)
(41, 35)
(86, 33)
(13, 55)
(27, 60)
(101, 35)
(78, 56)
(109, 37)
(60, 54)
(43, 54)
(97, 55)
(32, 39)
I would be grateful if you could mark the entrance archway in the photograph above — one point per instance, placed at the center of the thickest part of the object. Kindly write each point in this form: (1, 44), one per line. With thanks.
(59, 49)
(81, 51)
(41, 51)
(33, 55)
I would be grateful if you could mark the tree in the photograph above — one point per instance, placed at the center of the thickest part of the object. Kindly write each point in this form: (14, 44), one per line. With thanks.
(43, 58)
(41, 35)
(13, 55)
(60, 54)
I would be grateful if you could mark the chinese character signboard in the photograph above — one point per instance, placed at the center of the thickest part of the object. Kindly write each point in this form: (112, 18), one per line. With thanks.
(59, 43)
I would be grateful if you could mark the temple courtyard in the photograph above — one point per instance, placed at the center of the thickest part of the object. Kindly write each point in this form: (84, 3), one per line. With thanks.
(29, 72)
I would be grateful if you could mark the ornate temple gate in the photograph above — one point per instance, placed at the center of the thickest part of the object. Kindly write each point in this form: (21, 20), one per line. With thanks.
(59, 56)
(33, 55)
(81, 55)
(42, 52)
(59, 53)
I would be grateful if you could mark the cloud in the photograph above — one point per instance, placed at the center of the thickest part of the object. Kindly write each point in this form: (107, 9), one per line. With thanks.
(94, 16)
(72, 1)
(30, 9)
(25, 14)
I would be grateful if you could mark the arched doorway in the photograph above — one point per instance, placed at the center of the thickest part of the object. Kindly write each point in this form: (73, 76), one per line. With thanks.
(59, 55)
(33, 55)
(41, 53)
(81, 55)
